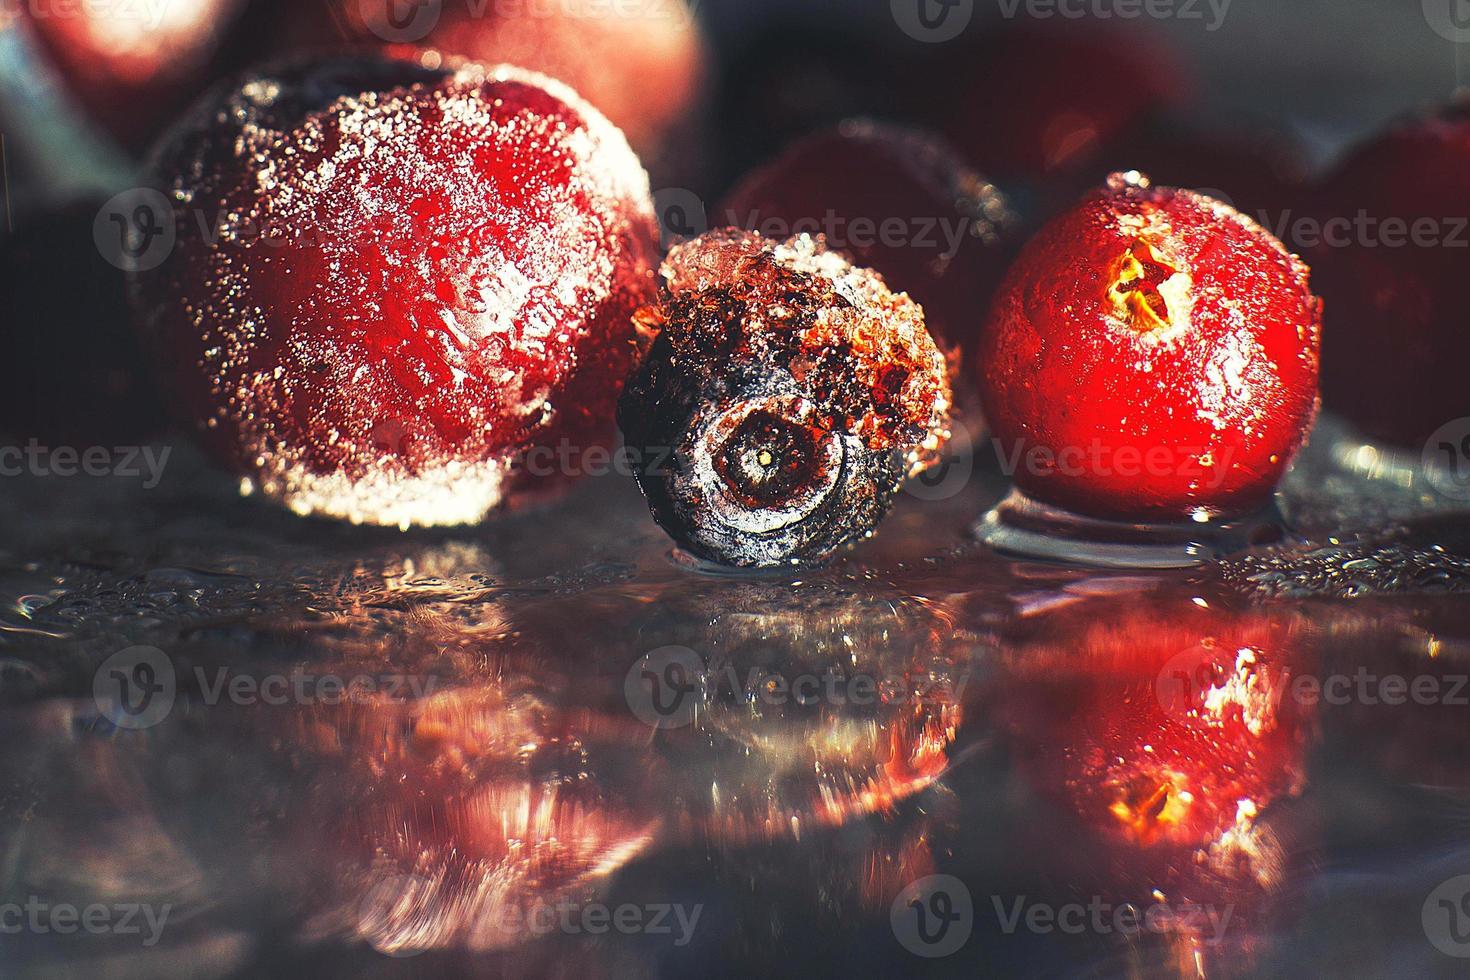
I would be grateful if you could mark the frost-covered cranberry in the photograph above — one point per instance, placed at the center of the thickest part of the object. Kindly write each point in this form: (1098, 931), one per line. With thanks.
(786, 398)
(1152, 356)
(390, 282)
(898, 201)
(1391, 266)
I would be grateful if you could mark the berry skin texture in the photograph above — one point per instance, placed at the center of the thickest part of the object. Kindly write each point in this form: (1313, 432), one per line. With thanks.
(900, 202)
(391, 282)
(1396, 341)
(784, 401)
(1152, 356)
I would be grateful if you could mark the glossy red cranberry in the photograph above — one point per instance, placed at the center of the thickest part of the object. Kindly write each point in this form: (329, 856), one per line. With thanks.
(390, 282)
(1152, 356)
(641, 63)
(131, 65)
(898, 201)
(785, 400)
(1034, 102)
(1391, 267)
(74, 373)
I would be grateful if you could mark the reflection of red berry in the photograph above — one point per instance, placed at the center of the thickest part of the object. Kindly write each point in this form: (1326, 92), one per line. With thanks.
(1152, 356)
(1164, 729)
(382, 295)
(899, 202)
(1396, 341)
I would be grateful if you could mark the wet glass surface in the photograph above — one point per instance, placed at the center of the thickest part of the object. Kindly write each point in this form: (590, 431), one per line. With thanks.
(544, 747)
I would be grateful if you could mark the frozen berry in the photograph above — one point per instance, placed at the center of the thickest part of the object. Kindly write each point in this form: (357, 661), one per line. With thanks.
(641, 63)
(787, 396)
(73, 371)
(1152, 356)
(129, 64)
(897, 201)
(1030, 102)
(1391, 266)
(390, 282)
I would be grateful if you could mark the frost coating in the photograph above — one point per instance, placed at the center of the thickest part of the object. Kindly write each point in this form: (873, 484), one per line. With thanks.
(393, 281)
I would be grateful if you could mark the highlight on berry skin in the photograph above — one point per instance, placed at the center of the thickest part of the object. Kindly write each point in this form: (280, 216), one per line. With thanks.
(786, 397)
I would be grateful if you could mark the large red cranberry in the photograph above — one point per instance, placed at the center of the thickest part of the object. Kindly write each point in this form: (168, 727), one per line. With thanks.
(898, 201)
(1391, 267)
(1153, 355)
(390, 282)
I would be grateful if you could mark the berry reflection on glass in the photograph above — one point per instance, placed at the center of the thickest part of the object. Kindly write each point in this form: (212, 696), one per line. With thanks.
(786, 398)
(1151, 359)
(1163, 734)
(391, 282)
